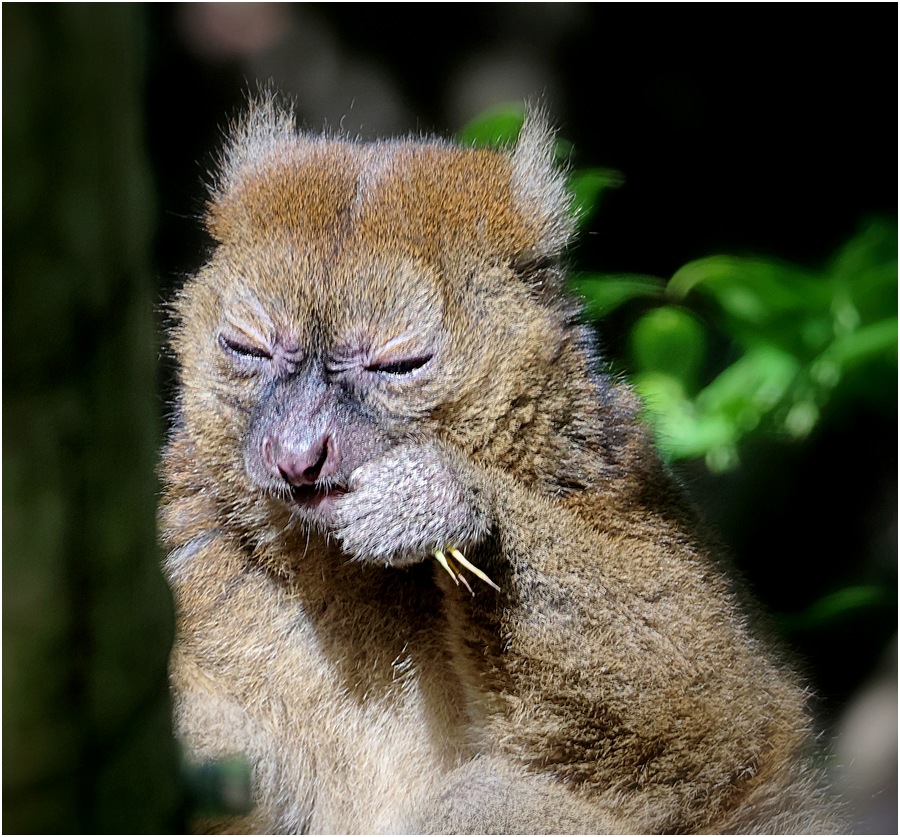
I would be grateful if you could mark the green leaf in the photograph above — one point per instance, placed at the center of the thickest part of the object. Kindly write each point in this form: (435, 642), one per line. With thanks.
(751, 387)
(837, 605)
(875, 246)
(865, 271)
(802, 417)
(498, 126)
(603, 293)
(680, 432)
(753, 291)
(873, 292)
(669, 340)
(587, 187)
(867, 343)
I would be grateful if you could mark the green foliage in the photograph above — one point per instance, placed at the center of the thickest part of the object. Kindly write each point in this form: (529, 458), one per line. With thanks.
(498, 126)
(836, 606)
(795, 334)
(603, 293)
(587, 187)
(789, 341)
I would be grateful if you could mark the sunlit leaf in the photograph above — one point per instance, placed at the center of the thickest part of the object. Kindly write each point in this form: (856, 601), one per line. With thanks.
(873, 291)
(587, 187)
(669, 340)
(878, 340)
(499, 126)
(750, 387)
(802, 418)
(722, 458)
(753, 291)
(837, 605)
(603, 293)
(874, 247)
(680, 432)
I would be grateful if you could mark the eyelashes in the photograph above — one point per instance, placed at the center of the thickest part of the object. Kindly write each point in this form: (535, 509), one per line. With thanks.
(244, 350)
(402, 366)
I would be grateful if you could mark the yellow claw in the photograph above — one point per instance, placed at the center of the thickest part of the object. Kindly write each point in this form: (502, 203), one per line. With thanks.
(455, 573)
(442, 560)
(471, 567)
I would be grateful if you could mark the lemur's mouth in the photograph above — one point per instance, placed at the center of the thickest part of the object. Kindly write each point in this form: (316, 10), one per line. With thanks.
(316, 496)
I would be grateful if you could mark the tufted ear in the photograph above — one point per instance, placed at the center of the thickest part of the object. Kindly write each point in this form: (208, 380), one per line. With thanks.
(263, 132)
(263, 139)
(539, 190)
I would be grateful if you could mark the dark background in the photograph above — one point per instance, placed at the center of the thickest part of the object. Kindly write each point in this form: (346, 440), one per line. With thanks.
(738, 129)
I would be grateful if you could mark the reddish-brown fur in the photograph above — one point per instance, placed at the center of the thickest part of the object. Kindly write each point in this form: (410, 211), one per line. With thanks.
(613, 684)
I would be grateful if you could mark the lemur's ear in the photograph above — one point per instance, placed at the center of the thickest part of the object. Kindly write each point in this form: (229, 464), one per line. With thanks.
(539, 187)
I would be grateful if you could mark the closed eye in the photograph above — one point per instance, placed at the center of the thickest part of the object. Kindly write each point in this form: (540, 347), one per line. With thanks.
(399, 367)
(243, 349)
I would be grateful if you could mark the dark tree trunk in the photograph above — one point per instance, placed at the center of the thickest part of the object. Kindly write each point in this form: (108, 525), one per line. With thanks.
(87, 620)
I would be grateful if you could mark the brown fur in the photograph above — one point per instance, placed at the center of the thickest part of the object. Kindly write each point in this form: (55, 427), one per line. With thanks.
(613, 684)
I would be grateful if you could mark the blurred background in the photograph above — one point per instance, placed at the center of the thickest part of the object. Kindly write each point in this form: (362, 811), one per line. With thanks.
(736, 171)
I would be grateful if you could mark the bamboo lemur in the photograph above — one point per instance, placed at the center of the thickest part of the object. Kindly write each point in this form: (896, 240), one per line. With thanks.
(380, 367)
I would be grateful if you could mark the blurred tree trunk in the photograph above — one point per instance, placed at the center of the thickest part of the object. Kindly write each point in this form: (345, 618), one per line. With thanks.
(86, 616)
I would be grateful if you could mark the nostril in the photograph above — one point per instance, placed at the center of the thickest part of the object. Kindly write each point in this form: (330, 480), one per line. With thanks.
(300, 468)
(313, 472)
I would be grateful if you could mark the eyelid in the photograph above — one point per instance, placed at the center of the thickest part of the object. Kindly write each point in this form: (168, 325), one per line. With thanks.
(399, 365)
(243, 349)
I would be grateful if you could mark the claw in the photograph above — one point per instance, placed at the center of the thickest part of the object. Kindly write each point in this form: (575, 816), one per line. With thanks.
(462, 578)
(442, 560)
(455, 574)
(470, 566)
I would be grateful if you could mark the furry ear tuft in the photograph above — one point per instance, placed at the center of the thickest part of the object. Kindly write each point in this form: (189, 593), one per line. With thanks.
(539, 185)
(264, 133)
